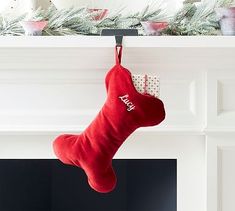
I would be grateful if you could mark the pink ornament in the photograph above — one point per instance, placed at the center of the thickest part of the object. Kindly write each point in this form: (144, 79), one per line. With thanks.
(34, 28)
(99, 14)
(153, 28)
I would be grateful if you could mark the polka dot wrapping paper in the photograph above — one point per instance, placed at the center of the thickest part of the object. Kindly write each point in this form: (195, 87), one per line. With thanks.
(147, 84)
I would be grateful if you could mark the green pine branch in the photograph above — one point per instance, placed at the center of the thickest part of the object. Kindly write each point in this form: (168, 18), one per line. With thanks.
(197, 20)
(11, 27)
(190, 20)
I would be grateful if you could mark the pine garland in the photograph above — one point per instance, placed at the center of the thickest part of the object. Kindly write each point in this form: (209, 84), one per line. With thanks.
(69, 22)
(197, 20)
(132, 21)
(11, 27)
(192, 19)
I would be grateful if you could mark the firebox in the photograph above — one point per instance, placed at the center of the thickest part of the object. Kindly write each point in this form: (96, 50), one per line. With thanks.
(48, 185)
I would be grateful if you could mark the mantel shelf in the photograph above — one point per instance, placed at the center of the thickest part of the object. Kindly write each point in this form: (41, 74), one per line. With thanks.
(101, 42)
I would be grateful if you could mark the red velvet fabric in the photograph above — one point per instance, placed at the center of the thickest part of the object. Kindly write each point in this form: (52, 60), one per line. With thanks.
(124, 111)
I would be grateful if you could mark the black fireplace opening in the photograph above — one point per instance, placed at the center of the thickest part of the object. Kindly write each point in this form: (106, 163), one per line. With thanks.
(49, 185)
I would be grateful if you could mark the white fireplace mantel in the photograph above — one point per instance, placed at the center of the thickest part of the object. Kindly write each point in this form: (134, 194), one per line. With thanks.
(53, 85)
(109, 41)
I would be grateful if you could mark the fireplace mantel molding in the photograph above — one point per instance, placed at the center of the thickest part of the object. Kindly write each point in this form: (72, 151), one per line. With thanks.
(53, 85)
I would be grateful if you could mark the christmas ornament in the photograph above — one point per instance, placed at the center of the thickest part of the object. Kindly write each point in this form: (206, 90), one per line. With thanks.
(33, 28)
(227, 20)
(98, 14)
(124, 111)
(154, 28)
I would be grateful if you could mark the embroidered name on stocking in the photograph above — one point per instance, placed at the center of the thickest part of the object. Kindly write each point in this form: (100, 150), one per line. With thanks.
(129, 104)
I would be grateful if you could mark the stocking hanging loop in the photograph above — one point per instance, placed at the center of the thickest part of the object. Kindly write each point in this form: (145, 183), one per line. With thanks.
(118, 54)
(119, 34)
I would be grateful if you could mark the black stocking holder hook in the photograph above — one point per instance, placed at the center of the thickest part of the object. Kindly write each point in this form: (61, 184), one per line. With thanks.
(119, 33)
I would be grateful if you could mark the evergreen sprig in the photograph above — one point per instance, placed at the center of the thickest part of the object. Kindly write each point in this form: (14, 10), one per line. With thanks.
(197, 20)
(73, 21)
(11, 26)
(132, 21)
(192, 19)
(68, 21)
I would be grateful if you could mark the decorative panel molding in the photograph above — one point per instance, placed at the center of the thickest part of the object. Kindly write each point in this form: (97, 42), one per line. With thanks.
(225, 94)
(220, 99)
(59, 89)
(226, 175)
(49, 98)
(220, 172)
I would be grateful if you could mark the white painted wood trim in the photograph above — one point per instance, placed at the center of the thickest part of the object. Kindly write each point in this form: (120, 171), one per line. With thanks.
(48, 130)
(215, 143)
(97, 41)
(188, 150)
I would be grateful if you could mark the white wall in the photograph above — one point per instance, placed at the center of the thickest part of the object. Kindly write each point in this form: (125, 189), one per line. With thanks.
(21, 6)
(130, 5)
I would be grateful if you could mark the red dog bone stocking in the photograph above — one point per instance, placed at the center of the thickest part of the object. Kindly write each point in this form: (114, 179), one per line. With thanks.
(124, 111)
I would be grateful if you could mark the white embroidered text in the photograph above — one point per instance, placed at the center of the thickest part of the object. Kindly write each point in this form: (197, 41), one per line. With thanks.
(129, 104)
